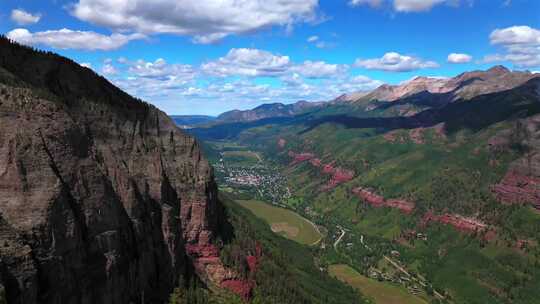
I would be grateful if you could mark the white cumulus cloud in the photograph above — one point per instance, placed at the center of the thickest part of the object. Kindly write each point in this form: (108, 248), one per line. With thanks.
(149, 79)
(415, 5)
(521, 45)
(159, 69)
(248, 62)
(23, 17)
(459, 58)
(108, 69)
(395, 62)
(260, 63)
(357, 83)
(205, 20)
(515, 35)
(318, 69)
(69, 39)
(234, 79)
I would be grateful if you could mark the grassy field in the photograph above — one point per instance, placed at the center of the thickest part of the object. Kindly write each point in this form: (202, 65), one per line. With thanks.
(241, 157)
(381, 293)
(284, 222)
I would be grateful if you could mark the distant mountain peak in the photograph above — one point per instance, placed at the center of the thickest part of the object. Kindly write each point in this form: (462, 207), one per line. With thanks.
(499, 69)
(268, 110)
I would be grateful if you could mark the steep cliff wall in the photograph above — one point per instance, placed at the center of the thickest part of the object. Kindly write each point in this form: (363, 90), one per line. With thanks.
(99, 193)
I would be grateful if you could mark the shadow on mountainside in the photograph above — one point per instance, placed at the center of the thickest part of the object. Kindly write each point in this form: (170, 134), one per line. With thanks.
(475, 114)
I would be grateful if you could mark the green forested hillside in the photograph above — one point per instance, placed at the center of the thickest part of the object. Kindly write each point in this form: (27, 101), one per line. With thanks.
(447, 161)
(286, 272)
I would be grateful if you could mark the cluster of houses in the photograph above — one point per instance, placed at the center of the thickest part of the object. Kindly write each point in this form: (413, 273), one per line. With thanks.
(244, 180)
(268, 183)
(415, 287)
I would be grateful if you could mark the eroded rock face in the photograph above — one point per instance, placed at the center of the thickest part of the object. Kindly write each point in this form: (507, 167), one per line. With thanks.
(98, 195)
(378, 201)
(300, 157)
(459, 222)
(521, 184)
(517, 188)
(338, 175)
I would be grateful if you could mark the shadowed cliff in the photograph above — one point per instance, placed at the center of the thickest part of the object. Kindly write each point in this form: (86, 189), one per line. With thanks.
(100, 193)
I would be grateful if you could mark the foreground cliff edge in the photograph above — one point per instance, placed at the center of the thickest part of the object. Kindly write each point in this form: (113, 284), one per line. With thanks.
(100, 193)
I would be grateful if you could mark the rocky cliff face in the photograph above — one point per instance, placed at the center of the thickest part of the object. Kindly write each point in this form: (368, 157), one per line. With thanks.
(99, 193)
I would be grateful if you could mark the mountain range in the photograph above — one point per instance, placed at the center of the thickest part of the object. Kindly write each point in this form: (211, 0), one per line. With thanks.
(444, 171)
(268, 111)
(188, 121)
(406, 99)
(466, 85)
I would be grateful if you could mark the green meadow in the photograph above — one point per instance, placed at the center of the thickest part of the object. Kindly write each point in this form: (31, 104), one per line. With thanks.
(379, 292)
(284, 222)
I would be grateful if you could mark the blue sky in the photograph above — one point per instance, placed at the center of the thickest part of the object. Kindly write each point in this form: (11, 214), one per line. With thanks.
(210, 56)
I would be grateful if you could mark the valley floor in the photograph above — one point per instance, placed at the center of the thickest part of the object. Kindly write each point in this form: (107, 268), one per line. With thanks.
(371, 246)
(284, 222)
(380, 292)
(324, 239)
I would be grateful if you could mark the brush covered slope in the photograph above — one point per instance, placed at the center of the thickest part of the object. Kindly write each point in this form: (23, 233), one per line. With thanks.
(281, 271)
(453, 187)
(272, 269)
(100, 193)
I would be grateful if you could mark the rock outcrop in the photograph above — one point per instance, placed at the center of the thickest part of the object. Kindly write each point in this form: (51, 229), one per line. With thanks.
(459, 222)
(379, 201)
(300, 157)
(99, 193)
(517, 188)
(521, 184)
(338, 175)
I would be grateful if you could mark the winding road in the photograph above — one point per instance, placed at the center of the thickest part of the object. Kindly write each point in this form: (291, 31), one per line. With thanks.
(339, 238)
